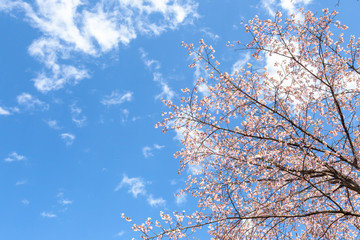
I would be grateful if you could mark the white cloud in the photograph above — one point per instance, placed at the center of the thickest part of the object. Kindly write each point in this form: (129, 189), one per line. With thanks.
(103, 27)
(13, 157)
(155, 202)
(275, 65)
(179, 133)
(201, 72)
(59, 77)
(47, 51)
(25, 202)
(147, 150)
(115, 98)
(151, 64)
(68, 138)
(72, 27)
(157, 146)
(180, 198)
(154, 67)
(52, 124)
(194, 169)
(210, 34)
(62, 201)
(6, 5)
(4, 111)
(166, 91)
(290, 6)
(120, 234)
(76, 116)
(135, 118)
(31, 103)
(65, 202)
(18, 183)
(182, 132)
(125, 115)
(136, 185)
(48, 215)
(204, 89)
(240, 63)
(268, 5)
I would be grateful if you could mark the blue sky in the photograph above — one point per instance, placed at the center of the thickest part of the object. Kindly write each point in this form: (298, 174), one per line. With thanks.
(81, 84)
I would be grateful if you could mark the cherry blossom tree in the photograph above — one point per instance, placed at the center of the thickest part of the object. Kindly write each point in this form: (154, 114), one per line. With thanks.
(276, 147)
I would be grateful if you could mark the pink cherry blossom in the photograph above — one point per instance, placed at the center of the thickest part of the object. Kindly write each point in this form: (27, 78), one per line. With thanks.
(277, 146)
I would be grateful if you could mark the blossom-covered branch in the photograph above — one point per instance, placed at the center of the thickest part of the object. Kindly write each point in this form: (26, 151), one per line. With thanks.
(277, 148)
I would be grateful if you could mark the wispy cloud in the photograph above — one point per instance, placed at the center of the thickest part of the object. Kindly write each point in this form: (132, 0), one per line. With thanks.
(68, 138)
(173, 181)
(30, 102)
(25, 202)
(155, 202)
(62, 204)
(194, 169)
(120, 234)
(58, 77)
(136, 185)
(63, 201)
(166, 91)
(92, 29)
(292, 6)
(268, 5)
(147, 150)
(4, 111)
(14, 157)
(200, 71)
(116, 98)
(157, 146)
(151, 64)
(272, 6)
(48, 215)
(124, 115)
(154, 66)
(180, 198)
(52, 124)
(76, 115)
(210, 34)
(241, 62)
(22, 182)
